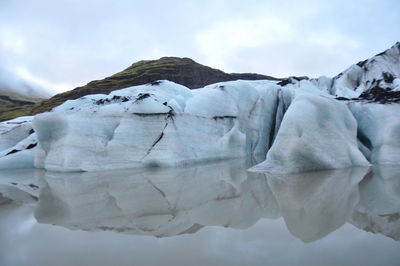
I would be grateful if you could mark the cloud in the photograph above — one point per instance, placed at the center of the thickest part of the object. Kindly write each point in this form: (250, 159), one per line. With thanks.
(69, 43)
(40, 86)
(228, 38)
(19, 81)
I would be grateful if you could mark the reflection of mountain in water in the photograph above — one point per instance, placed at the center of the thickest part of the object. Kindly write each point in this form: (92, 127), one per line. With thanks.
(172, 201)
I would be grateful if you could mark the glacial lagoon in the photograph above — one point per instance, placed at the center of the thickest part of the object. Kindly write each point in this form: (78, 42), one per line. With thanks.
(206, 214)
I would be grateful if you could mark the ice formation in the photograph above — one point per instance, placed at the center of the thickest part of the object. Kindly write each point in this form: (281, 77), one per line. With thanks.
(163, 124)
(298, 124)
(17, 143)
(316, 133)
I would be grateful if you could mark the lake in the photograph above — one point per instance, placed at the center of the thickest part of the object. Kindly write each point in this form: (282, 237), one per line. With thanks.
(207, 214)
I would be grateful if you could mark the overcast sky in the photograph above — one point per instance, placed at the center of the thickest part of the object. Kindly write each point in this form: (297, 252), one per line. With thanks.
(66, 43)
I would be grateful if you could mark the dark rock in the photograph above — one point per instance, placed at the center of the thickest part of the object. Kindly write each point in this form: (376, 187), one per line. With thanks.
(291, 80)
(284, 82)
(362, 63)
(17, 102)
(155, 83)
(142, 96)
(388, 77)
(12, 152)
(30, 146)
(380, 95)
(342, 98)
(224, 117)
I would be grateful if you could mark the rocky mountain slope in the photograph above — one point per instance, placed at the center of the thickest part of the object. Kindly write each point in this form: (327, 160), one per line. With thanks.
(12, 103)
(375, 79)
(183, 71)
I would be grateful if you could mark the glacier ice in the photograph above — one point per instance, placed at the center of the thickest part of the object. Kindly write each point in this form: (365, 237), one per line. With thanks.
(167, 124)
(138, 126)
(17, 142)
(14, 131)
(297, 124)
(316, 133)
(298, 127)
(379, 131)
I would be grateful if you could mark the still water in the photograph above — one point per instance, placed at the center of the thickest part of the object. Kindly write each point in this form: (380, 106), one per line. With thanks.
(209, 214)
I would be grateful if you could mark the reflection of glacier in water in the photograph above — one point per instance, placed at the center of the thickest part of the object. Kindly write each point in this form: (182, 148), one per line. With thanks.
(171, 201)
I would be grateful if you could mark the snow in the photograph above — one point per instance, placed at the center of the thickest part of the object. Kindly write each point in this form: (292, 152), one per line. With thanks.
(376, 71)
(365, 75)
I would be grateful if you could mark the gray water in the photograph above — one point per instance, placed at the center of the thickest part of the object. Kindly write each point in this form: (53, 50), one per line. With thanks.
(209, 214)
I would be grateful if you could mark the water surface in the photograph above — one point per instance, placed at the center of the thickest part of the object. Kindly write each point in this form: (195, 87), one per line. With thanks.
(209, 214)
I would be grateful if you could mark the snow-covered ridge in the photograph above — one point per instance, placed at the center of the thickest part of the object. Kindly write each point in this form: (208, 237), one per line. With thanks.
(298, 124)
(381, 71)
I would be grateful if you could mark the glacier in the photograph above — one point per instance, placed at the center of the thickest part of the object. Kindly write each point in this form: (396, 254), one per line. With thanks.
(296, 124)
(328, 141)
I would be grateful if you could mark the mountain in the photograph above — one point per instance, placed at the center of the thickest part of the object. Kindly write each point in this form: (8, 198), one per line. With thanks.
(17, 93)
(375, 79)
(11, 102)
(183, 71)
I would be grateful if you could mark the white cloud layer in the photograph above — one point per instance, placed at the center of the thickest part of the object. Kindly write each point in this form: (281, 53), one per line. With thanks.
(66, 43)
